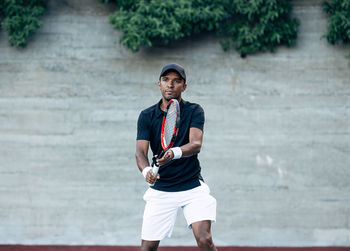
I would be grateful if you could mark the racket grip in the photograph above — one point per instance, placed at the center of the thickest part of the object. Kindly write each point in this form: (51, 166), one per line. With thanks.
(155, 172)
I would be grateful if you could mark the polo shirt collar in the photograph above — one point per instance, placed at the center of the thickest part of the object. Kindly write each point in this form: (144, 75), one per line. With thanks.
(159, 111)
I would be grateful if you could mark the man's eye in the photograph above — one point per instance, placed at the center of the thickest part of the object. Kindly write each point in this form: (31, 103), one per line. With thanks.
(165, 79)
(178, 81)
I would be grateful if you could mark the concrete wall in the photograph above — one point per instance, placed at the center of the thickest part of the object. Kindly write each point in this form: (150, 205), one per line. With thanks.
(276, 147)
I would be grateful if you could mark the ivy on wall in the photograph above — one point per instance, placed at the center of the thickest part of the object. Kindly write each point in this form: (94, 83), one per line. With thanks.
(259, 25)
(21, 19)
(338, 21)
(247, 25)
(147, 22)
(251, 26)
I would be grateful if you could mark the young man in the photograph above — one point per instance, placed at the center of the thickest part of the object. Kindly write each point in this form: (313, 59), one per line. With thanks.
(179, 182)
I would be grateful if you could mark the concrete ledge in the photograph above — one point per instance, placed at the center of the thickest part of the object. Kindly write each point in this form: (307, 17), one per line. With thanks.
(173, 248)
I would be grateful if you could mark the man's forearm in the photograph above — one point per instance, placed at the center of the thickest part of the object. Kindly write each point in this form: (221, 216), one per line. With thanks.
(195, 144)
(190, 149)
(141, 160)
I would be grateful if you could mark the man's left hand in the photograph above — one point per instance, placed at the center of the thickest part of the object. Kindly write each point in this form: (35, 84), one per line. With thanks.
(169, 155)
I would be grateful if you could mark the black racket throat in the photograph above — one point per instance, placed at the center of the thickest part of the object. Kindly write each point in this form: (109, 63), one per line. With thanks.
(155, 159)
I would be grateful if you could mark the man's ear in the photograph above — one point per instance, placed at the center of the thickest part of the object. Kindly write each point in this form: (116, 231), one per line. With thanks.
(184, 87)
(158, 84)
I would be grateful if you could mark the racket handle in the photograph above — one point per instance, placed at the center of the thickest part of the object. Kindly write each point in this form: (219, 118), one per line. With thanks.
(155, 172)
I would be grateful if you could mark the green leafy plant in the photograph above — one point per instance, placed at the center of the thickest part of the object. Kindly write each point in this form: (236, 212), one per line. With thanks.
(147, 22)
(260, 25)
(338, 22)
(21, 19)
(248, 25)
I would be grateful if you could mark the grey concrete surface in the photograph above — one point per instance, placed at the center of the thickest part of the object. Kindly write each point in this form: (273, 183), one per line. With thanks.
(276, 145)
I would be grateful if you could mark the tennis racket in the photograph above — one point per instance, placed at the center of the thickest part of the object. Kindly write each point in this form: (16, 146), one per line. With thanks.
(170, 128)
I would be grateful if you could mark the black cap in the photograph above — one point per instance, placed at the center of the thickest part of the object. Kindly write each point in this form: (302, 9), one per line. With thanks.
(174, 67)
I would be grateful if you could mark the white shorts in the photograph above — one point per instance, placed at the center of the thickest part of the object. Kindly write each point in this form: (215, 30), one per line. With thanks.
(161, 209)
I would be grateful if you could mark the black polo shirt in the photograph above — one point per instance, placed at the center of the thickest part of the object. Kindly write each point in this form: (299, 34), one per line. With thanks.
(181, 174)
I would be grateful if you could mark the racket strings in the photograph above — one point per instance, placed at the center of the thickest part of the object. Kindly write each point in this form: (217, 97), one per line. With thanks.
(170, 122)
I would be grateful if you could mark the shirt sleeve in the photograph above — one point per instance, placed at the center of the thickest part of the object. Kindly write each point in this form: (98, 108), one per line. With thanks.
(143, 127)
(198, 118)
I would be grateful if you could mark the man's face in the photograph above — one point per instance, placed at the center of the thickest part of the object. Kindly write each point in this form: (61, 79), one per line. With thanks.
(171, 85)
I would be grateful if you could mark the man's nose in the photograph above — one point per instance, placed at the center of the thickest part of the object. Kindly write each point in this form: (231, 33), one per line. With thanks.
(171, 83)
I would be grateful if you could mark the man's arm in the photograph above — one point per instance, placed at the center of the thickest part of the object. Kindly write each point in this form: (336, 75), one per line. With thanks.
(195, 144)
(142, 154)
(191, 148)
(142, 159)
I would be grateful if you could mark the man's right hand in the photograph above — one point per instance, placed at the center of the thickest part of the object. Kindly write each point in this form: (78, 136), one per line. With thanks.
(150, 178)
(148, 174)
